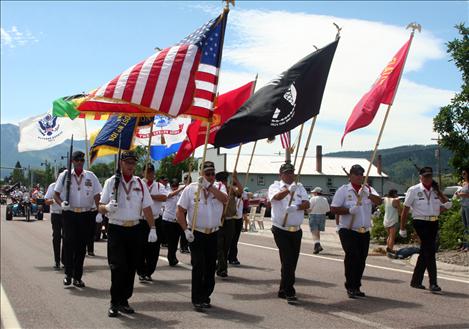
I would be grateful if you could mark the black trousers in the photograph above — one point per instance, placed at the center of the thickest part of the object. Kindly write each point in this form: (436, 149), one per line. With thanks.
(92, 232)
(225, 237)
(172, 231)
(204, 261)
(183, 243)
(150, 253)
(76, 234)
(233, 252)
(355, 246)
(288, 244)
(427, 232)
(124, 247)
(57, 227)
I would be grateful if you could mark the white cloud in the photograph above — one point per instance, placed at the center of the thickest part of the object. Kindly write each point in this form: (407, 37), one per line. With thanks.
(13, 38)
(263, 45)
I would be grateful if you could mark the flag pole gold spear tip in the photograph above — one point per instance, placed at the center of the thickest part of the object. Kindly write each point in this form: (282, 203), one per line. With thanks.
(414, 26)
(337, 36)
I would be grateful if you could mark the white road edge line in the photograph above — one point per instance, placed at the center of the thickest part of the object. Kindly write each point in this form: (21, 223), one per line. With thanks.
(9, 319)
(359, 320)
(369, 265)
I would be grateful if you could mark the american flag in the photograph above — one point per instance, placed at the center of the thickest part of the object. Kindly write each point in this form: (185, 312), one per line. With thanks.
(285, 139)
(181, 79)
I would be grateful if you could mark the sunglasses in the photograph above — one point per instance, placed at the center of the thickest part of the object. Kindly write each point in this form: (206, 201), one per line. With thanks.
(210, 173)
(79, 160)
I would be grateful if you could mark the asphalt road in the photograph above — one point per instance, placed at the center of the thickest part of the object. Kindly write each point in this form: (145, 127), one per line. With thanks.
(33, 295)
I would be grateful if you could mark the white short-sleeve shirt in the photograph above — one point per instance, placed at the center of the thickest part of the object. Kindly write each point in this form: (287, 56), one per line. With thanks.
(169, 213)
(83, 188)
(423, 202)
(318, 205)
(156, 188)
(210, 209)
(279, 207)
(54, 208)
(347, 197)
(127, 209)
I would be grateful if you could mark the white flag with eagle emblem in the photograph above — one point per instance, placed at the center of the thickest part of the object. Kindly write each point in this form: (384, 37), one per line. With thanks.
(45, 131)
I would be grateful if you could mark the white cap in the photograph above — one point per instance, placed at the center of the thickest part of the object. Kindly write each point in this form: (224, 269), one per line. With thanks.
(317, 189)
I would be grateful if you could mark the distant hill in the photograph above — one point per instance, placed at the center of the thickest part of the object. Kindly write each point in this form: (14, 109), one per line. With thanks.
(398, 162)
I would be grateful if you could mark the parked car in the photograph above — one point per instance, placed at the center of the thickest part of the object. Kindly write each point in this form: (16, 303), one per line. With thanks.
(260, 199)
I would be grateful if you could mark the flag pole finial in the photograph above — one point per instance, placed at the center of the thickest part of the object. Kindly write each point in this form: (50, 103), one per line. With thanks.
(414, 26)
(228, 2)
(337, 36)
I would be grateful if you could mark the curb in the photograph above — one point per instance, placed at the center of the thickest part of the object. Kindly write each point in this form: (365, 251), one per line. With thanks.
(442, 266)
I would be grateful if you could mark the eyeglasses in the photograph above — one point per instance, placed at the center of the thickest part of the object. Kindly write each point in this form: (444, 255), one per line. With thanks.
(79, 160)
(210, 173)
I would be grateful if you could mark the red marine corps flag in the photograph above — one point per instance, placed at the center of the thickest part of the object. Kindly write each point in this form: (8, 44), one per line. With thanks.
(181, 79)
(382, 92)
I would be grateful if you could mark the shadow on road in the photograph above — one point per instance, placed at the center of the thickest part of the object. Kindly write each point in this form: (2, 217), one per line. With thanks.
(375, 278)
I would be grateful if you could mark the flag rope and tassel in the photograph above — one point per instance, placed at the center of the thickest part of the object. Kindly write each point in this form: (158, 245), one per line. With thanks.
(298, 146)
(87, 146)
(414, 27)
(230, 186)
(301, 165)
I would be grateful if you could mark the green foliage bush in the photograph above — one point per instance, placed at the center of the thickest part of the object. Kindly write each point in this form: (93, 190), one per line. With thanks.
(451, 227)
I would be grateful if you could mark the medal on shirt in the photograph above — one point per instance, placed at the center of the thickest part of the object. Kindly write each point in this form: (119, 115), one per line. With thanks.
(78, 181)
(428, 196)
(127, 190)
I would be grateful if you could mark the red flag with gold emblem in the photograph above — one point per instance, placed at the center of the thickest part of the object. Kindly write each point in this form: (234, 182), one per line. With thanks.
(382, 92)
(226, 107)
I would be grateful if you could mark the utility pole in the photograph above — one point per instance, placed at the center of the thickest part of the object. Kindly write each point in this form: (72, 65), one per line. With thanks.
(438, 157)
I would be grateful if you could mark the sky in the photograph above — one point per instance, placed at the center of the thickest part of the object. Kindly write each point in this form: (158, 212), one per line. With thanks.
(54, 49)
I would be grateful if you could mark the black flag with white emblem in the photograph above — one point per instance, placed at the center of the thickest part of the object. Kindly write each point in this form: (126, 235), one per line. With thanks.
(282, 104)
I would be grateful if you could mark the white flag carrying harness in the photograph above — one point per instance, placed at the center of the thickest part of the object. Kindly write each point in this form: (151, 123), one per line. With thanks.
(45, 131)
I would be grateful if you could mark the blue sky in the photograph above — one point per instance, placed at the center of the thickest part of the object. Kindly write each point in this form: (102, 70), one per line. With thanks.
(54, 49)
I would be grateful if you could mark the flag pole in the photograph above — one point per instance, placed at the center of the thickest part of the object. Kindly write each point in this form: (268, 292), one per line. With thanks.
(301, 165)
(87, 147)
(249, 167)
(230, 186)
(413, 26)
(147, 159)
(190, 166)
(298, 146)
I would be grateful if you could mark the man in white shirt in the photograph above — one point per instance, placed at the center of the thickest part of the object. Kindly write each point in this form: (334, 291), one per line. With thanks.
(79, 211)
(151, 250)
(203, 240)
(124, 198)
(319, 206)
(57, 225)
(172, 230)
(426, 201)
(354, 226)
(287, 218)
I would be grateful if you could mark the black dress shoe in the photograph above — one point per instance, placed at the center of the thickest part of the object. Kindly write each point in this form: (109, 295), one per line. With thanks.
(234, 262)
(198, 306)
(435, 288)
(206, 305)
(67, 281)
(112, 312)
(222, 274)
(148, 278)
(57, 266)
(91, 253)
(142, 278)
(359, 293)
(351, 293)
(78, 283)
(125, 308)
(281, 294)
(292, 300)
(173, 262)
(417, 286)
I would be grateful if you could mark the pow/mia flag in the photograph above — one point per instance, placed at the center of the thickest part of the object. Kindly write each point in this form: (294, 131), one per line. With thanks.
(283, 103)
